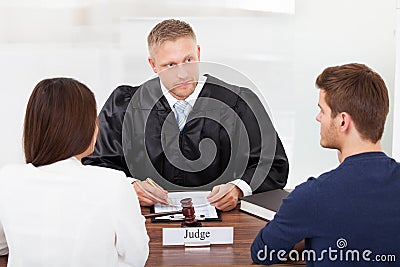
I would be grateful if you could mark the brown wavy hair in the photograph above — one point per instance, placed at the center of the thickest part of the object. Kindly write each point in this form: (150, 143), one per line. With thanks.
(358, 90)
(60, 121)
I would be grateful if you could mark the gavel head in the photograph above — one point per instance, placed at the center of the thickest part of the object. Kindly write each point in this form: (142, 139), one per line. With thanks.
(188, 212)
(186, 203)
(187, 209)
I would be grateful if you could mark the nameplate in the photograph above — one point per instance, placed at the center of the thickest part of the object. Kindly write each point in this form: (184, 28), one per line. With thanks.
(197, 236)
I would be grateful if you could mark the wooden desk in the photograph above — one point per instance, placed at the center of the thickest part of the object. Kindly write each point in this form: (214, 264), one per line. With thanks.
(245, 226)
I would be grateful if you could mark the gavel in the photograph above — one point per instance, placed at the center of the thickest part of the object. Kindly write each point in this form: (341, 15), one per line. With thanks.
(187, 211)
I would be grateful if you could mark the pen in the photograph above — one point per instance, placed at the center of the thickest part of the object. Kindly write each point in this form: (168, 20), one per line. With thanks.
(151, 182)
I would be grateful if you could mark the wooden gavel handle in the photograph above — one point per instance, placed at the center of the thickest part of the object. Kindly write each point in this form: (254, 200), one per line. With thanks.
(153, 215)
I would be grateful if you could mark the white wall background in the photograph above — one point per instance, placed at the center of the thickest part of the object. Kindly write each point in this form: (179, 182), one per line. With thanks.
(102, 43)
(396, 100)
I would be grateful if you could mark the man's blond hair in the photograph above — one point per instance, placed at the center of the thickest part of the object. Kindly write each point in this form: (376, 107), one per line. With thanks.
(168, 30)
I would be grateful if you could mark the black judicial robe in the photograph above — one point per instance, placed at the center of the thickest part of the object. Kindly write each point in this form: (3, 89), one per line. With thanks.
(228, 135)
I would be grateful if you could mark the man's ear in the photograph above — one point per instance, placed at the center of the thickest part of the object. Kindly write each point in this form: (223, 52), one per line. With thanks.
(198, 52)
(345, 120)
(152, 64)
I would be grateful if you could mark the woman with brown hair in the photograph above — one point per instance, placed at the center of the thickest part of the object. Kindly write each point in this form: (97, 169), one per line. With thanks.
(53, 210)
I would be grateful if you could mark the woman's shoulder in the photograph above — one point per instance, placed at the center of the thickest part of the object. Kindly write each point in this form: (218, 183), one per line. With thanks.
(13, 175)
(15, 168)
(105, 175)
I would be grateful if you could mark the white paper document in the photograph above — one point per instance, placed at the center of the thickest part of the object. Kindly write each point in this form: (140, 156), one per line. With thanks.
(202, 208)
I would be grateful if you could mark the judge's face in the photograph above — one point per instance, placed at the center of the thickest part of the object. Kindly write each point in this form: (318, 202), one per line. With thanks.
(329, 132)
(175, 63)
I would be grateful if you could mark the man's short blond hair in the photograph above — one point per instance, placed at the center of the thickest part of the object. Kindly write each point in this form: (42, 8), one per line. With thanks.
(168, 30)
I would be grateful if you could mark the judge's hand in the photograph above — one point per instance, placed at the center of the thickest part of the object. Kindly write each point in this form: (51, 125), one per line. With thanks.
(225, 196)
(149, 195)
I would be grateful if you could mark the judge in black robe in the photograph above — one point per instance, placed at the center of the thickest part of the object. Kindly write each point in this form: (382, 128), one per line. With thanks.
(228, 135)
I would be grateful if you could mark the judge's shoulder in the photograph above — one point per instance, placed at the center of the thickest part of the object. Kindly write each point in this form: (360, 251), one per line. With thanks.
(123, 92)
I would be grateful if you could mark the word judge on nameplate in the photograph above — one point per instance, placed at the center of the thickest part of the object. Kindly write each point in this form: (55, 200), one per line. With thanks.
(197, 236)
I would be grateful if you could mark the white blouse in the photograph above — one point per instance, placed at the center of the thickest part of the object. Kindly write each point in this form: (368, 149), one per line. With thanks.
(67, 214)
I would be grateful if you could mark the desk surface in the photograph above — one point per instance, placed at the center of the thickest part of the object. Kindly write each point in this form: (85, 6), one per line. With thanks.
(245, 226)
